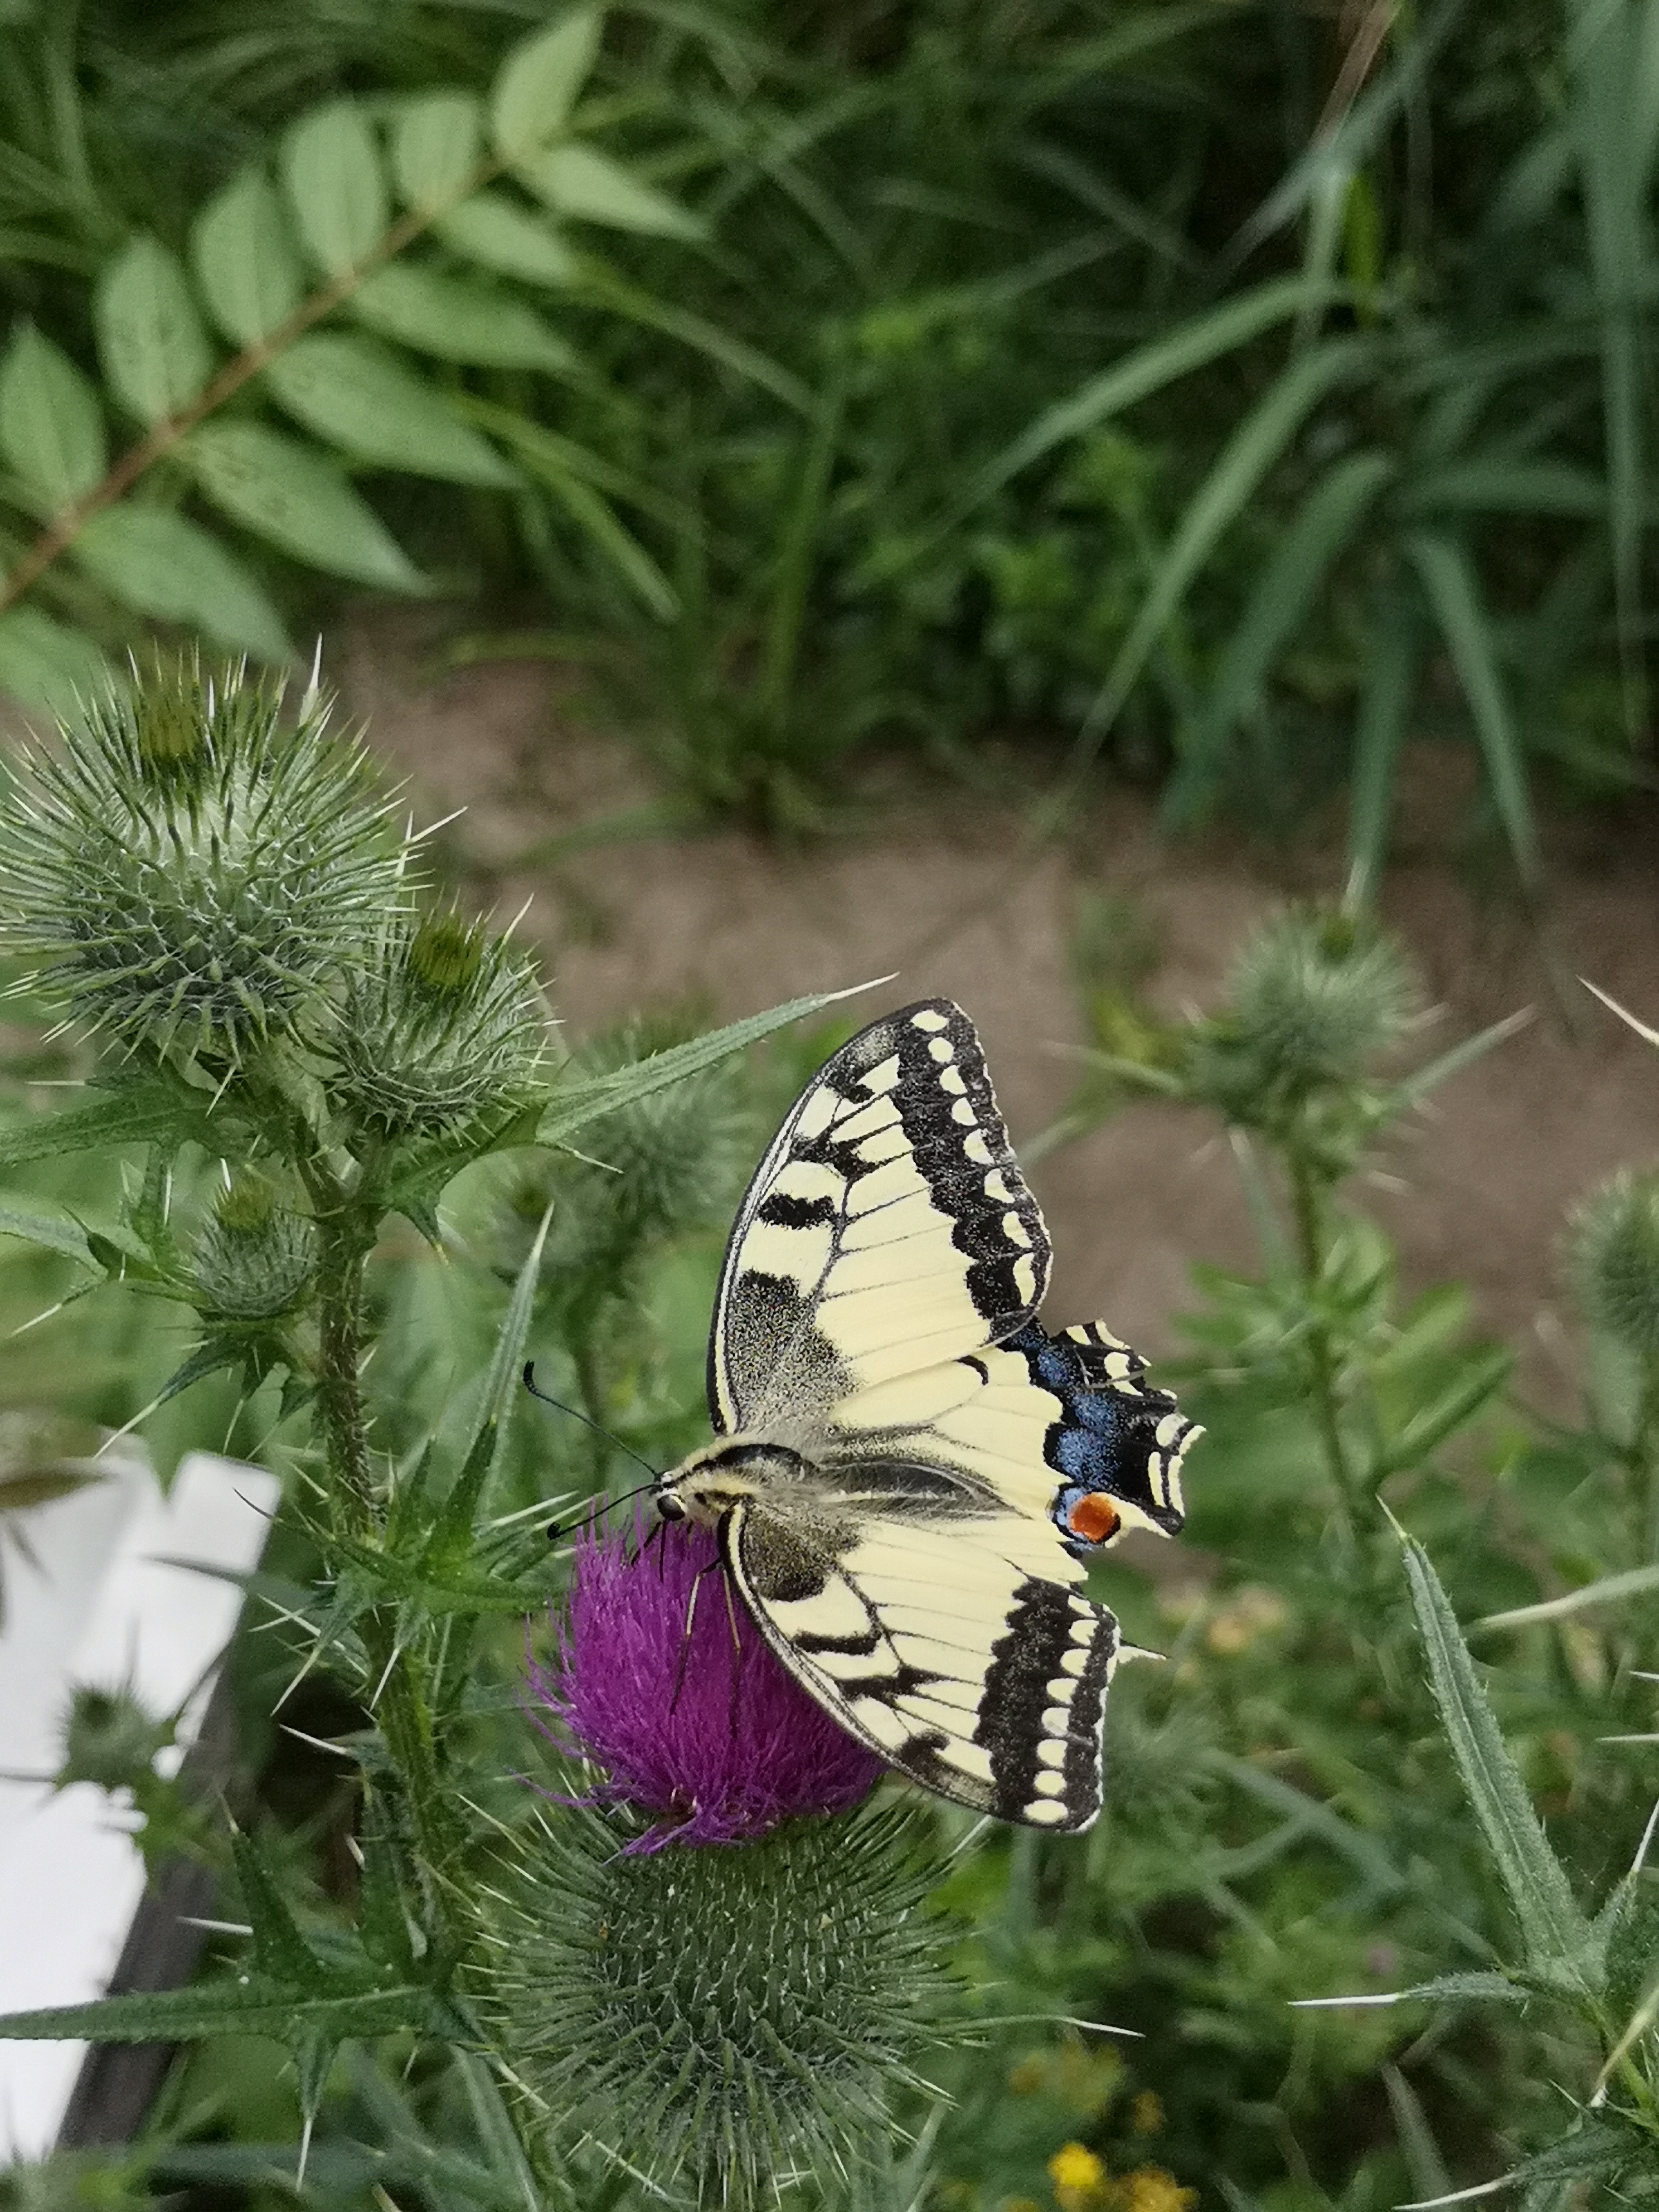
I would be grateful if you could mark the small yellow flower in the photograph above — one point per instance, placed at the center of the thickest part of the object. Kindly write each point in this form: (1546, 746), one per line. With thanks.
(1073, 2166)
(1149, 2189)
(1026, 2076)
(1146, 2113)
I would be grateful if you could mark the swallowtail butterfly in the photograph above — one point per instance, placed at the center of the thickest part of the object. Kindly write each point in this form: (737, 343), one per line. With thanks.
(909, 1474)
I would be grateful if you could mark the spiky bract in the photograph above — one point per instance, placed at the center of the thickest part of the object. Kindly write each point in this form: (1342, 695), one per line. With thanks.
(254, 1258)
(191, 870)
(442, 1021)
(728, 2018)
(1614, 1250)
(1320, 995)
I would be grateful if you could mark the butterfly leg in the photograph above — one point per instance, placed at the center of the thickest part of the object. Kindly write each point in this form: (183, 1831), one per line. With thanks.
(737, 1656)
(685, 1641)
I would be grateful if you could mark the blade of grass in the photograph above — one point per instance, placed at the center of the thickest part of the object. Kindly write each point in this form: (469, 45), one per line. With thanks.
(1385, 706)
(1554, 1933)
(1454, 595)
(1191, 345)
(1607, 1589)
(1258, 442)
(1276, 609)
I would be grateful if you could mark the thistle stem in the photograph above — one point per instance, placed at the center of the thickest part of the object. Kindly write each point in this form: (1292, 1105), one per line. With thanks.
(1308, 1215)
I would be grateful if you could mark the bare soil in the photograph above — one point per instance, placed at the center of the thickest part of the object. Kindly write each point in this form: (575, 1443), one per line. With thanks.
(931, 889)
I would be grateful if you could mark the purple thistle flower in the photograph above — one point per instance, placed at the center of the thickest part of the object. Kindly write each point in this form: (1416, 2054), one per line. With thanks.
(701, 1725)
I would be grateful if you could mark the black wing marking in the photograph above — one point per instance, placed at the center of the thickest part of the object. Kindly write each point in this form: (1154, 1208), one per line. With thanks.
(888, 1228)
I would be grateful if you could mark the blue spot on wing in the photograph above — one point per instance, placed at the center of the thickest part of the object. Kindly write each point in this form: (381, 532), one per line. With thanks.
(1106, 1435)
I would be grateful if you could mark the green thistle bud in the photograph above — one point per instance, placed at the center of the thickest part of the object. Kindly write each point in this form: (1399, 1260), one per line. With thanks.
(110, 1740)
(1318, 996)
(254, 1259)
(727, 2014)
(1613, 1255)
(441, 1022)
(189, 868)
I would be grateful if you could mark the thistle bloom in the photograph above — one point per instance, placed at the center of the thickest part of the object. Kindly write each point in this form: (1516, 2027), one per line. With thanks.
(663, 1681)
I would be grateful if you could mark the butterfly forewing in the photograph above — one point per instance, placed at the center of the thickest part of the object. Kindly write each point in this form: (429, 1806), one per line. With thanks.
(887, 1230)
(985, 1682)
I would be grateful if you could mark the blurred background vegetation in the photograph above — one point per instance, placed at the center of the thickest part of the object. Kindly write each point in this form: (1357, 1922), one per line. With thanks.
(1203, 394)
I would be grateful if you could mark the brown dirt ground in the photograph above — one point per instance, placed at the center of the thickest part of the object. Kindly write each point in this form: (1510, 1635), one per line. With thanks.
(925, 890)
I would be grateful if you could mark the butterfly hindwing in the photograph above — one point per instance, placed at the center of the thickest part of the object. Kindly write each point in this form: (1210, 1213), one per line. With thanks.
(887, 1230)
(985, 1684)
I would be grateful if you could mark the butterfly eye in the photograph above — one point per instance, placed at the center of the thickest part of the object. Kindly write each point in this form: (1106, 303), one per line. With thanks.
(1094, 1518)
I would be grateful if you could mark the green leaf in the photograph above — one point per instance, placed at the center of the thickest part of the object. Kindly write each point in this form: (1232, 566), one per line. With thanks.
(162, 564)
(361, 397)
(435, 146)
(496, 232)
(457, 319)
(587, 187)
(1508, 487)
(248, 2005)
(46, 665)
(144, 1114)
(331, 168)
(537, 85)
(1606, 1589)
(153, 350)
(1392, 661)
(243, 253)
(1275, 610)
(1483, 1375)
(575, 1104)
(1176, 354)
(52, 427)
(1453, 592)
(503, 1381)
(281, 1952)
(1554, 1934)
(290, 496)
(1259, 441)
(547, 456)
(54, 1232)
(1448, 1989)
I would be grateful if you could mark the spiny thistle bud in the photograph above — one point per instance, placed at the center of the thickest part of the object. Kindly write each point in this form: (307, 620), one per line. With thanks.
(189, 867)
(740, 2008)
(1613, 1251)
(440, 1021)
(254, 1258)
(1318, 995)
(110, 1740)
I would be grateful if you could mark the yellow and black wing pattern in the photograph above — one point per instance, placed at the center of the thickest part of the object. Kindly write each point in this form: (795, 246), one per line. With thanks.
(876, 1319)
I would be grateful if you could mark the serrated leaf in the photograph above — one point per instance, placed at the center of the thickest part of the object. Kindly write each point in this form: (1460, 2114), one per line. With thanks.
(331, 172)
(52, 427)
(248, 2005)
(495, 231)
(45, 664)
(352, 392)
(145, 1114)
(288, 495)
(588, 186)
(242, 251)
(162, 564)
(151, 345)
(54, 1232)
(1555, 1934)
(281, 1952)
(457, 319)
(1428, 1428)
(537, 85)
(436, 145)
(574, 1105)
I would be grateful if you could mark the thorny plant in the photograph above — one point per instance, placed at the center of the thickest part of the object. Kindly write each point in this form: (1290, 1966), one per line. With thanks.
(310, 1051)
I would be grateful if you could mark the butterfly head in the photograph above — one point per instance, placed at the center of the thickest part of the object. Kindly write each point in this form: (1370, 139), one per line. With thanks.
(707, 1487)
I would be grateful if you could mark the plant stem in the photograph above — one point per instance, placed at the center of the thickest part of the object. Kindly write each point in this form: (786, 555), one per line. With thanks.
(67, 523)
(1309, 1244)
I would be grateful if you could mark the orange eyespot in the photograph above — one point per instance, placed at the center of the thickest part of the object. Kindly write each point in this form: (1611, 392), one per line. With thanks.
(1094, 1518)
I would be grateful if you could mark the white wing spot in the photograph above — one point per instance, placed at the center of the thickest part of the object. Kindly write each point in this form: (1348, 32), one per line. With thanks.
(951, 1079)
(1052, 1751)
(927, 1019)
(996, 1187)
(1015, 1231)
(1045, 1813)
(964, 1112)
(977, 1148)
(1025, 1277)
(1168, 1429)
(942, 1049)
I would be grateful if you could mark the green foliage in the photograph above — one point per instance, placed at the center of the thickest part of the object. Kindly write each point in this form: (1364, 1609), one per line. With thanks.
(304, 237)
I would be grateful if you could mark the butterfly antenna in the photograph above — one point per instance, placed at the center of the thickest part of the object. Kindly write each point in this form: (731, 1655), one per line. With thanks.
(598, 1506)
(587, 1420)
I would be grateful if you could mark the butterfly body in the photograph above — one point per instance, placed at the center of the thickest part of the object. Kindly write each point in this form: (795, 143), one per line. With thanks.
(909, 1474)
